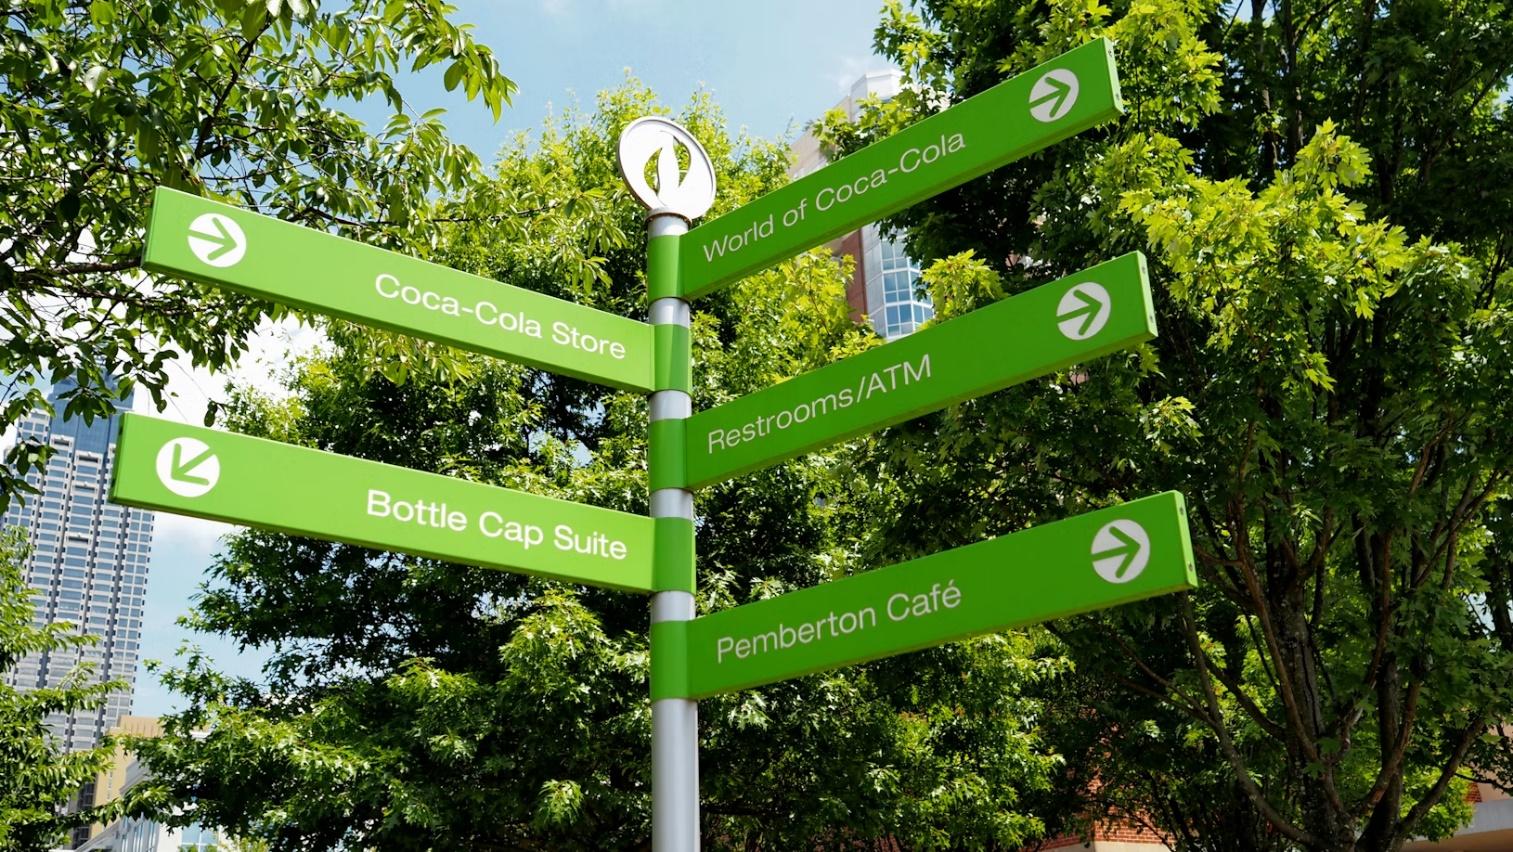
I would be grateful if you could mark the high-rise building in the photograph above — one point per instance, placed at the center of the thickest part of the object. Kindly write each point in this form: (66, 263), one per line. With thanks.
(88, 564)
(883, 287)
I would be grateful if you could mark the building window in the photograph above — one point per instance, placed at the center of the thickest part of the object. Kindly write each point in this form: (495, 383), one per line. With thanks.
(197, 838)
(904, 309)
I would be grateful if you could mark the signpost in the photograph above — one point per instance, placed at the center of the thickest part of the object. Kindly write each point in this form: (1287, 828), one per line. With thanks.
(673, 204)
(1094, 312)
(234, 478)
(1125, 553)
(1016, 118)
(202, 240)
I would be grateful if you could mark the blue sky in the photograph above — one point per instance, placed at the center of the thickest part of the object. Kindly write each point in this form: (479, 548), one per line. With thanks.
(772, 66)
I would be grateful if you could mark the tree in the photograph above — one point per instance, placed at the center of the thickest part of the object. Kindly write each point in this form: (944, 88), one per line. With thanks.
(1330, 390)
(38, 777)
(411, 704)
(230, 99)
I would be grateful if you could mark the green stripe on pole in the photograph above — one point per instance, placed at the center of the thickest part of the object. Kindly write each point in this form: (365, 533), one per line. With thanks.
(669, 659)
(1071, 93)
(674, 358)
(1095, 312)
(674, 555)
(212, 243)
(1112, 556)
(665, 454)
(662, 268)
(223, 476)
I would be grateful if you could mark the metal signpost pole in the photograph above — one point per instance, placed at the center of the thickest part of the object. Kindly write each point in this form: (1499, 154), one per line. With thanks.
(674, 721)
(679, 197)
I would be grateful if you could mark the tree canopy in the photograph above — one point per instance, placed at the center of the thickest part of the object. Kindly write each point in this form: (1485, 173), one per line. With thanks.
(1330, 389)
(238, 101)
(1325, 191)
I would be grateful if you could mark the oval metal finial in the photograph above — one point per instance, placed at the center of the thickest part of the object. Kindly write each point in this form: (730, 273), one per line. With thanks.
(686, 194)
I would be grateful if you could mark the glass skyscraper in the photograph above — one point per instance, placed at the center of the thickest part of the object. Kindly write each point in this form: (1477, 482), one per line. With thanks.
(88, 564)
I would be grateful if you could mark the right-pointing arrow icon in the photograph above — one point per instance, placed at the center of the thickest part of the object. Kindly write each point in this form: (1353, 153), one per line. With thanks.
(1053, 95)
(188, 467)
(1120, 550)
(217, 240)
(1083, 310)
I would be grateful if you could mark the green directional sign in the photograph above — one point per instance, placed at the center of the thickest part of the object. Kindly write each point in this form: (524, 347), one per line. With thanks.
(1082, 316)
(1022, 115)
(227, 477)
(191, 237)
(1126, 553)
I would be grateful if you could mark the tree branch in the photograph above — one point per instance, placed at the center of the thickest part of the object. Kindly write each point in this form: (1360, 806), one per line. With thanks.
(1236, 761)
(1446, 775)
(207, 123)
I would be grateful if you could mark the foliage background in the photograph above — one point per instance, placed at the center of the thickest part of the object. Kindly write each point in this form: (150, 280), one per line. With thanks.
(242, 102)
(36, 782)
(1329, 389)
(1323, 189)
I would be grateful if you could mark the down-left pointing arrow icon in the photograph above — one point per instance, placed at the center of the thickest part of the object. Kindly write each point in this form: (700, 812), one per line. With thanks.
(188, 467)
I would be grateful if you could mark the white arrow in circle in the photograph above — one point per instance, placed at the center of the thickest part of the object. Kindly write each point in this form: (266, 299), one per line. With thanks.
(188, 467)
(217, 240)
(1053, 95)
(1083, 311)
(1120, 550)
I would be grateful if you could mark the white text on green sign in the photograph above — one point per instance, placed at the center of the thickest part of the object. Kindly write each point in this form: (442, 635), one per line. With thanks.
(1112, 556)
(214, 243)
(1022, 115)
(223, 476)
(1097, 311)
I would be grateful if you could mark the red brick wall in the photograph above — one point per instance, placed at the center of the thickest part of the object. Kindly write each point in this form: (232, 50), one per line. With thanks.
(1113, 831)
(856, 288)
